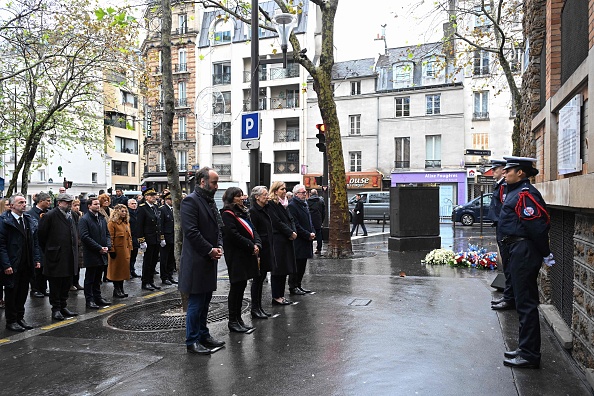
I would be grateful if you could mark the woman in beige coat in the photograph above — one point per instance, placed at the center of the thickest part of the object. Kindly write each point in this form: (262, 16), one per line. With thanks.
(118, 269)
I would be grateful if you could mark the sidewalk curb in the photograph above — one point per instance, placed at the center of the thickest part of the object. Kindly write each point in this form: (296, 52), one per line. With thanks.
(560, 328)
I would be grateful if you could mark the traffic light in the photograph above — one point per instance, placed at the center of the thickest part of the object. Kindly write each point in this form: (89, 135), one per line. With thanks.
(321, 135)
(69, 184)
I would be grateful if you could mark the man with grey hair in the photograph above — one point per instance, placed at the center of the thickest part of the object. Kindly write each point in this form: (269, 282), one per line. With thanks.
(305, 235)
(317, 210)
(58, 238)
(43, 201)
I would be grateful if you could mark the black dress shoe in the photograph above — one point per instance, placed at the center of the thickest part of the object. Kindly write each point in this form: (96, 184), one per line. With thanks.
(511, 354)
(173, 281)
(503, 306)
(211, 342)
(134, 275)
(24, 324)
(295, 291)
(155, 286)
(102, 301)
(318, 252)
(257, 314)
(67, 312)
(307, 291)
(520, 362)
(15, 327)
(167, 282)
(497, 301)
(57, 315)
(284, 301)
(147, 286)
(198, 349)
(37, 294)
(93, 305)
(235, 327)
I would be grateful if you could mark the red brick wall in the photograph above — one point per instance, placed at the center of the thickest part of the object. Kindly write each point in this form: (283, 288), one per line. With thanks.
(553, 46)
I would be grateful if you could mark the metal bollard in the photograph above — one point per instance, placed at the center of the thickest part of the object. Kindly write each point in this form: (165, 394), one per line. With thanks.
(384, 223)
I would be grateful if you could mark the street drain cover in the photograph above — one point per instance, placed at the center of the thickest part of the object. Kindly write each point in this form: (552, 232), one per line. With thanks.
(166, 315)
(360, 302)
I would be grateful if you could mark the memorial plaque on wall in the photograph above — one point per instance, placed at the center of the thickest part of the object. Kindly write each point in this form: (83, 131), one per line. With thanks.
(568, 147)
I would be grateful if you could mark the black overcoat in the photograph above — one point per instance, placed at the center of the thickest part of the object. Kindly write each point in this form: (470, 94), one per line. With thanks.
(133, 221)
(359, 212)
(317, 211)
(263, 225)
(284, 252)
(58, 239)
(148, 225)
(12, 242)
(197, 271)
(167, 223)
(303, 244)
(238, 245)
(94, 235)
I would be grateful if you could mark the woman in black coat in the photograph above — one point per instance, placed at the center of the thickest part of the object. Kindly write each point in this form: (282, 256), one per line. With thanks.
(283, 233)
(241, 245)
(263, 224)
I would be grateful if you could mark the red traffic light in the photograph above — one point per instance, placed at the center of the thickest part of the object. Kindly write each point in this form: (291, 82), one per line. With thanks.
(321, 128)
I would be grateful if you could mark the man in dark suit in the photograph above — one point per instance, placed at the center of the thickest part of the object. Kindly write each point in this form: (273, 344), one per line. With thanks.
(19, 254)
(149, 237)
(317, 211)
(133, 212)
(39, 283)
(58, 238)
(96, 241)
(167, 252)
(119, 198)
(305, 235)
(202, 248)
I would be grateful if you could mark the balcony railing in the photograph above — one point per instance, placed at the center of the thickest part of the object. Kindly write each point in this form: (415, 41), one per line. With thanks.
(401, 164)
(282, 103)
(180, 67)
(247, 104)
(221, 78)
(288, 135)
(221, 140)
(181, 136)
(181, 102)
(220, 109)
(182, 167)
(432, 163)
(163, 168)
(286, 167)
(127, 151)
(222, 169)
(291, 71)
(481, 115)
(481, 70)
(247, 76)
(184, 30)
(116, 123)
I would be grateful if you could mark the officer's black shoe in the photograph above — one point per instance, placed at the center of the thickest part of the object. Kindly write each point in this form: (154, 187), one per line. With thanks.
(307, 291)
(167, 282)
(511, 354)
(101, 301)
(147, 286)
(211, 342)
(497, 301)
(235, 327)
(67, 312)
(15, 327)
(92, 305)
(155, 286)
(57, 315)
(520, 362)
(503, 306)
(296, 291)
(198, 349)
(173, 281)
(24, 324)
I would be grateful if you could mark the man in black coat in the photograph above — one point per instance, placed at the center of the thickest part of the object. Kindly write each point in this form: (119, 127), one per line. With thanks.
(359, 216)
(202, 248)
(119, 198)
(150, 237)
(133, 212)
(19, 255)
(166, 254)
(317, 211)
(305, 236)
(43, 201)
(58, 239)
(96, 241)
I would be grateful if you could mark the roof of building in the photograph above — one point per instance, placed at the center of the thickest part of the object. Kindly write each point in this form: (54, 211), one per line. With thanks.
(411, 53)
(354, 68)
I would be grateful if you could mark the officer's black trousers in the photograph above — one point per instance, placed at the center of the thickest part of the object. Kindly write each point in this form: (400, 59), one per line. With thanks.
(525, 263)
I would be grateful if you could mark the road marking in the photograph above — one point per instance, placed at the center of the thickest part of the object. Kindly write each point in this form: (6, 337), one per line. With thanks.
(111, 308)
(4, 340)
(153, 295)
(58, 324)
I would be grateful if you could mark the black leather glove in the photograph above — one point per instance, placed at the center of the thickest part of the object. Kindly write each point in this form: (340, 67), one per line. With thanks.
(112, 255)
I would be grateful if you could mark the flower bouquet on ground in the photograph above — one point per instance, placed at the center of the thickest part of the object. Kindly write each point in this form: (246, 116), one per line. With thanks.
(439, 257)
(475, 257)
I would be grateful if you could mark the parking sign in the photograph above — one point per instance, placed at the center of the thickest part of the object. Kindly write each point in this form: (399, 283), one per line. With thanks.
(250, 126)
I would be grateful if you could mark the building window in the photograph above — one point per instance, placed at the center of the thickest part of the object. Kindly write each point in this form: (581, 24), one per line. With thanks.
(182, 124)
(182, 60)
(480, 141)
(41, 174)
(481, 63)
(355, 161)
(221, 73)
(128, 146)
(182, 160)
(292, 98)
(129, 99)
(433, 104)
(119, 168)
(481, 20)
(402, 75)
(429, 68)
(222, 32)
(433, 151)
(94, 177)
(355, 121)
(161, 167)
(402, 149)
(481, 106)
(183, 23)
(356, 88)
(133, 169)
(516, 59)
(222, 134)
(403, 106)
(182, 94)
(222, 169)
(223, 106)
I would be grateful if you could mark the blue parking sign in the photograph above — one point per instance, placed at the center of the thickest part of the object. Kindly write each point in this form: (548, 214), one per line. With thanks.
(250, 126)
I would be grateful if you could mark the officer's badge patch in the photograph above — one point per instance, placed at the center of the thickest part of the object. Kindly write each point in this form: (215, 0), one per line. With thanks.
(528, 211)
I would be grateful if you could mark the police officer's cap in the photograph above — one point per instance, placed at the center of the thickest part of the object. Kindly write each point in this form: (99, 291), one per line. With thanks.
(526, 163)
(496, 163)
(149, 191)
(167, 196)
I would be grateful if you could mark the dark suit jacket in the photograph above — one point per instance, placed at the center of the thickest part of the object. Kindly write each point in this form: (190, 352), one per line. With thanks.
(134, 227)
(58, 239)
(284, 252)
(303, 245)
(94, 235)
(12, 245)
(197, 271)
(148, 225)
(167, 223)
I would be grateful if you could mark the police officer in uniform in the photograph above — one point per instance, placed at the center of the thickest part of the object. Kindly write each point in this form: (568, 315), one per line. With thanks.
(150, 237)
(524, 227)
(167, 256)
(507, 301)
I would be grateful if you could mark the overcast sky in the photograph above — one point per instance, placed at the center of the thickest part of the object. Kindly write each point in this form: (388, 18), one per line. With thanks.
(357, 23)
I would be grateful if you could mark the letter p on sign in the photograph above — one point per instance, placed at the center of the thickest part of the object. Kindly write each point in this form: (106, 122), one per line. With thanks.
(250, 126)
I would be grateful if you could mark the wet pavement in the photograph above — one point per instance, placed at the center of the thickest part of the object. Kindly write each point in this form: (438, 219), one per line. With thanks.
(367, 331)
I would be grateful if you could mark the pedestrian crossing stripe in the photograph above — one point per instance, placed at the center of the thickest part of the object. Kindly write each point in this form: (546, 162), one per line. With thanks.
(153, 295)
(111, 308)
(59, 324)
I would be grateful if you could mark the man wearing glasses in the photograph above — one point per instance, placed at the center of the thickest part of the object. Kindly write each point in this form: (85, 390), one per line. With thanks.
(305, 236)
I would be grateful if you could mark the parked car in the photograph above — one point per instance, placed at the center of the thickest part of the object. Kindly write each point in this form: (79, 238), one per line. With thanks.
(376, 205)
(470, 212)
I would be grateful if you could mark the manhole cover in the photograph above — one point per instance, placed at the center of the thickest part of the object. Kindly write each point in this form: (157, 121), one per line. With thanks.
(167, 315)
(360, 302)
